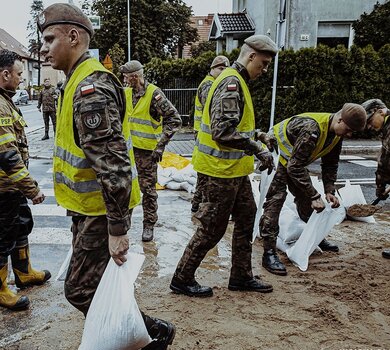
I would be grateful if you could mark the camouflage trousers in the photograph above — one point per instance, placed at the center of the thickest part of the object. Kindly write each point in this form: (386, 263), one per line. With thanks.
(276, 196)
(16, 222)
(147, 178)
(49, 115)
(221, 198)
(197, 199)
(89, 260)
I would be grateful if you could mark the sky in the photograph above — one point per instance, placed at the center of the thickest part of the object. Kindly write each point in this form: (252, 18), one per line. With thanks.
(15, 14)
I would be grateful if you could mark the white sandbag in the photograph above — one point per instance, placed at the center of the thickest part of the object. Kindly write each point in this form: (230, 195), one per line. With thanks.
(353, 194)
(114, 321)
(64, 267)
(265, 182)
(173, 185)
(290, 224)
(316, 229)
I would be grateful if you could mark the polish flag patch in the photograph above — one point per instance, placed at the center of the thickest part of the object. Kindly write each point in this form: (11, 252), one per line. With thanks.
(232, 87)
(158, 97)
(87, 90)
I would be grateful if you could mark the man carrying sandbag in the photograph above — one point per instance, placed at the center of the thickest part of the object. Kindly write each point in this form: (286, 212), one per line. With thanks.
(378, 120)
(93, 162)
(302, 139)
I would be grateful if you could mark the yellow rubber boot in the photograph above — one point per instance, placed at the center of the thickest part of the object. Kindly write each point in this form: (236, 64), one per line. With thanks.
(25, 275)
(9, 299)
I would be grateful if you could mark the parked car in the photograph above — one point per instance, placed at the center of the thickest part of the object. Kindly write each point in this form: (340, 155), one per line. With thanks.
(20, 97)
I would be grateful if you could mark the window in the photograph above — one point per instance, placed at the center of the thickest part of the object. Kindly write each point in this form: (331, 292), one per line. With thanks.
(200, 22)
(335, 33)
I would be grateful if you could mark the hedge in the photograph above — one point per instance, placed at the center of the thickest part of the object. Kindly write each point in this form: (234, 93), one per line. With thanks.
(318, 79)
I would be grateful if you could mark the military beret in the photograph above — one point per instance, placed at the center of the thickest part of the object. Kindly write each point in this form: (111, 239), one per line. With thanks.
(262, 43)
(64, 14)
(371, 106)
(131, 67)
(354, 116)
(220, 61)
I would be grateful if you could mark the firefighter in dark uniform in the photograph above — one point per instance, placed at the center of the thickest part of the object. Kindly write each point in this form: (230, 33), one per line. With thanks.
(302, 139)
(16, 185)
(94, 170)
(153, 121)
(378, 119)
(216, 68)
(47, 101)
(224, 156)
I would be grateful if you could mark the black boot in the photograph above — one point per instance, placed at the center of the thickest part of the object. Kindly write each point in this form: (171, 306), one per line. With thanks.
(386, 253)
(46, 136)
(192, 289)
(147, 234)
(326, 246)
(272, 263)
(162, 333)
(254, 284)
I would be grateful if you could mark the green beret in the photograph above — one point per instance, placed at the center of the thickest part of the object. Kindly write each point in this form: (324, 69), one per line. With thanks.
(131, 67)
(262, 43)
(220, 61)
(371, 106)
(64, 14)
(354, 116)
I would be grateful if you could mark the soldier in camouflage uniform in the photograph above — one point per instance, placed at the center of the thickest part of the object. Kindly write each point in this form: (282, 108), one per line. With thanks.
(378, 119)
(217, 66)
(223, 156)
(153, 122)
(302, 139)
(93, 165)
(16, 185)
(47, 101)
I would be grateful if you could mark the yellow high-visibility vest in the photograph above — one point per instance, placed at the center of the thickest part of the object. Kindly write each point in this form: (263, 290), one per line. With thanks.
(75, 184)
(214, 159)
(285, 146)
(145, 130)
(198, 106)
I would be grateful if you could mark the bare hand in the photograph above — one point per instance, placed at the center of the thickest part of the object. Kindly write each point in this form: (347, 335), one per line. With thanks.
(118, 247)
(318, 205)
(39, 198)
(330, 198)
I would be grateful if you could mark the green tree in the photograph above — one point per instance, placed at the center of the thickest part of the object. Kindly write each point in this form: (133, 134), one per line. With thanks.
(34, 41)
(204, 46)
(373, 28)
(117, 55)
(158, 27)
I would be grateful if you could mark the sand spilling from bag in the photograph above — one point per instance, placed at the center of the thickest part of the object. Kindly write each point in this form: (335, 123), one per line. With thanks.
(361, 210)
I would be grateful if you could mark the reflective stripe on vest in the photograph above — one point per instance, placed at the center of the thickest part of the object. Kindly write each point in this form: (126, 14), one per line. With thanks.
(285, 146)
(214, 159)
(75, 183)
(198, 106)
(145, 130)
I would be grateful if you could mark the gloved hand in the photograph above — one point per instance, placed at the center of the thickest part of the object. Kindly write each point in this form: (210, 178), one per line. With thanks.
(158, 153)
(381, 193)
(267, 161)
(269, 140)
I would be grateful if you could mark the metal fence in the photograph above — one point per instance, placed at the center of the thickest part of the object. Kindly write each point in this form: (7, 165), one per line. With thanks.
(181, 93)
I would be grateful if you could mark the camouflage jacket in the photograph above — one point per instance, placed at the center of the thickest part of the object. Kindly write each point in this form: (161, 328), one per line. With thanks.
(203, 91)
(226, 111)
(161, 106)
(48, 99)
(303, 133)
(14, 175)
(383, 170)
(103, 144)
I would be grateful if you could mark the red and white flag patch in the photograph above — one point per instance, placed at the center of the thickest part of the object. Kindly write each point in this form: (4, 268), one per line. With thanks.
(232, 87)
(87, 89)
(158, 97)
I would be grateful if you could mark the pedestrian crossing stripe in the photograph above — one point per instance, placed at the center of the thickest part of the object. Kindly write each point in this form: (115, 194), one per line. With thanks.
(366, 163)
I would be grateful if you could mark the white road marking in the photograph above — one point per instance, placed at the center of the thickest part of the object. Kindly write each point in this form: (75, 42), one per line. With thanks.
(366, 163)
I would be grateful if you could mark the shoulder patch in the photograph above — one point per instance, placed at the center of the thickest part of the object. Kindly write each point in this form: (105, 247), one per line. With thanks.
(92, 121)
(5, 121)
(232, 87)
(87, 90)
(158, 97)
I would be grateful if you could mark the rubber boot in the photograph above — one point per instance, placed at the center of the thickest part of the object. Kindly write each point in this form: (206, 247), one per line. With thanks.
(25, 275)
(46, 136)
(271, 260)
(147, 234)
(9, 299)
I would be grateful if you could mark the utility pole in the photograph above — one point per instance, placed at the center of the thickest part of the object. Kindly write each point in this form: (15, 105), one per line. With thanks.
(128, 31)
(280, 38)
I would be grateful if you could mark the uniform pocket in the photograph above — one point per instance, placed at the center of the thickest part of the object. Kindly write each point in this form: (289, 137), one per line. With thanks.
(206, 215)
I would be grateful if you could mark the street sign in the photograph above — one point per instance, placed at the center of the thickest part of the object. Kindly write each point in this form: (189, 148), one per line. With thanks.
(95, 20)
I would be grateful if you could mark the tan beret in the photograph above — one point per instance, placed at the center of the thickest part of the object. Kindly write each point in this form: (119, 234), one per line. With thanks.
(220, 61)
(131, 67)
(354, 116)
(64, 14)
(262, 43)
(371, 106)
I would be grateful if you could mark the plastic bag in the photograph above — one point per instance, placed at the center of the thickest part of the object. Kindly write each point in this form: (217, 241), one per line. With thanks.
(114, 321)
(316, 229)
(352, 194)
(64, 267)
